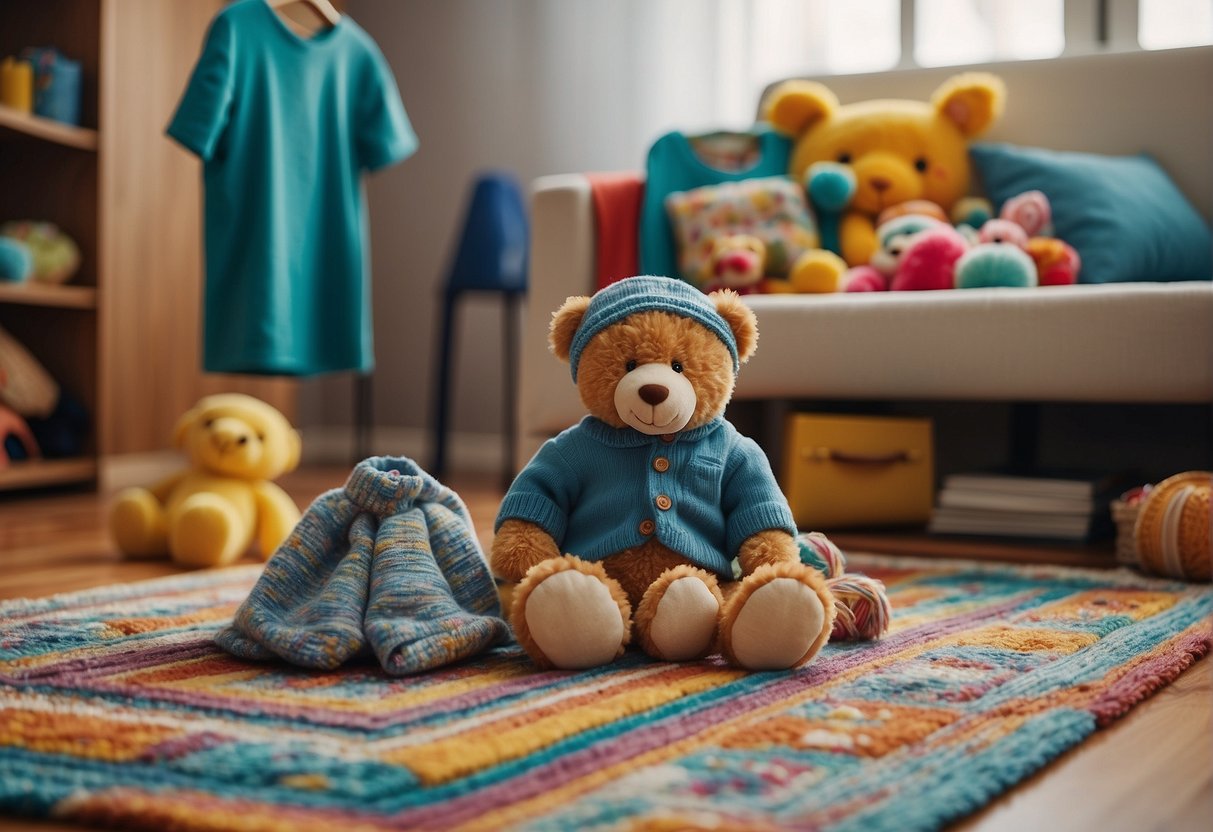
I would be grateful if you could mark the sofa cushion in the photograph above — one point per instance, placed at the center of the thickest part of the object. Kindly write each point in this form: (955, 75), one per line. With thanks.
(1123, 214)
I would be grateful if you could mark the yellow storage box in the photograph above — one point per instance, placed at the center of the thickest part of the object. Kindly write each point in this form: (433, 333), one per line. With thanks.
(858, 470)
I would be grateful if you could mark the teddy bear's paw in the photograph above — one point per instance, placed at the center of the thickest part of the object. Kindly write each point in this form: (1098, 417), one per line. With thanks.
(206, 531)
(677, 618)
(818, 272)
(778, 618)
(569, 615)
(138, 524)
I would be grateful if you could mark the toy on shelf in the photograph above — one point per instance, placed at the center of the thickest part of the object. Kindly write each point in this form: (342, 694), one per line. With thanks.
(16, 261)
(210, 514)
(58, 421)
(17, 84)
(627, 526)
(56, 84)
(897, 150)
(17, 441)
(55, 255)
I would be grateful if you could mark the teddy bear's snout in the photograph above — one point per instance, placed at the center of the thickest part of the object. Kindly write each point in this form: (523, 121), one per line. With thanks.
(654, 394)
(228, 434)
(654, 398)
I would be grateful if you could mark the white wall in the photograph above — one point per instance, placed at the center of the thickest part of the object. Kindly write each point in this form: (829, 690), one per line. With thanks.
(535, 87)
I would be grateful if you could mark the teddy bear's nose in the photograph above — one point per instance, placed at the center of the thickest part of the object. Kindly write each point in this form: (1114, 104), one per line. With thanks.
(654, 394)
(880, 183)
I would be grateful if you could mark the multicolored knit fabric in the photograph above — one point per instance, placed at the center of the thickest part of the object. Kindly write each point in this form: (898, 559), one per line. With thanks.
(390, 563)
(116, 708)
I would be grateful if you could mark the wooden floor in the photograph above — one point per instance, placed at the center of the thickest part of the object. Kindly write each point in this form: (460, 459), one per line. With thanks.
(1151, 771)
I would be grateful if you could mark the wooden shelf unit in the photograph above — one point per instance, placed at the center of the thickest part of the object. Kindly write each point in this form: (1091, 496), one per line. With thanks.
(81, 138)
(47, 472)
(44, 294)
(124, 336)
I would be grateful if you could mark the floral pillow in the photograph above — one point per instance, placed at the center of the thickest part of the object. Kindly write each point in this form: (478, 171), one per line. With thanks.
(773, 209)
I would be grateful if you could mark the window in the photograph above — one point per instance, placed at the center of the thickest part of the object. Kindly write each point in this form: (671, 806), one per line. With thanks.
(950, 32)
(823, 37)
(1166, 24)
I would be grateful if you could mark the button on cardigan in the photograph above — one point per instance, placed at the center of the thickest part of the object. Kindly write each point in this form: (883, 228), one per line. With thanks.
(593, 487)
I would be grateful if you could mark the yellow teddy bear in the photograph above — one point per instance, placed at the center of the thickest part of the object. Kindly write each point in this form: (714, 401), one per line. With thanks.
(877, 154)
(209, 514)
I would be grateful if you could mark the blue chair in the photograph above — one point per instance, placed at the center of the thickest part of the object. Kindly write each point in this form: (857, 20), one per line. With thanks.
(491, 257)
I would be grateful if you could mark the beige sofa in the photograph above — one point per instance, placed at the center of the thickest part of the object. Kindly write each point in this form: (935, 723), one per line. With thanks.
(1137, 342)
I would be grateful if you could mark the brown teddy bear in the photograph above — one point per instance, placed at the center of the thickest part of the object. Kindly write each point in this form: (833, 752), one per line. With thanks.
(628, 524)
(209, 514)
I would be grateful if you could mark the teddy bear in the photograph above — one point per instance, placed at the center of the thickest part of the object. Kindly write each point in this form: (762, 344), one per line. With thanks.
(896, 151)
(737, 262)
(211, 513)
(628, 525)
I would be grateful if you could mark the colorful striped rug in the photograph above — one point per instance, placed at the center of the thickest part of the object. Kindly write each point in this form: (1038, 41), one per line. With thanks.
(115, 708)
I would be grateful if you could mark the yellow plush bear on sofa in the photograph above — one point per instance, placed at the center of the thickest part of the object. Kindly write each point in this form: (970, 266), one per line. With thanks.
(209, 514)
(892, 150)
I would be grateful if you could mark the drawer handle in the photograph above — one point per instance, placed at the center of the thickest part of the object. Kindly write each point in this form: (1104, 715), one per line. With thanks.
(834, 455)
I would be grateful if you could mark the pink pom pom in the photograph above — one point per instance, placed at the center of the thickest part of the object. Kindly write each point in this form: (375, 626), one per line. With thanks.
(1031, 211)
(862, 606)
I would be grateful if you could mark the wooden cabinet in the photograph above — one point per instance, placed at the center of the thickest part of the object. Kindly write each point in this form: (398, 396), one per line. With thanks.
(124, 335)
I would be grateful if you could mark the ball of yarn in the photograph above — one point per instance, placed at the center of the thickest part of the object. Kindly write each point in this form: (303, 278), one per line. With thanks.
(862, 608)
(819, 552)
(1172, 529)
(16, 262)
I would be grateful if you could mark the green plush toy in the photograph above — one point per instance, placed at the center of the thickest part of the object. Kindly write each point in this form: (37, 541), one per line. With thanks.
(56, 257)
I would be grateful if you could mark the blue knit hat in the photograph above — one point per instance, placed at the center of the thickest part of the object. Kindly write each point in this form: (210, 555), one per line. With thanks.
(647, 294)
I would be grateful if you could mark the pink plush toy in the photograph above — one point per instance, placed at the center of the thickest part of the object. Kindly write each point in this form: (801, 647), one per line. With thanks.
(1003, 231)
(895, 236)
(930, 261)
(1031, 211)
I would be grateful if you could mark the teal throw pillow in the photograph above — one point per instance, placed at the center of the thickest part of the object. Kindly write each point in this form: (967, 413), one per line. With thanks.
(1123, 214)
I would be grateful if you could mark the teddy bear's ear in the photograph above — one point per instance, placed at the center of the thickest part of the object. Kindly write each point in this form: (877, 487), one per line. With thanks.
(565, 321)
(294, 446)
(972, 100)
(795, 106)
(741, 320)
(183, 427)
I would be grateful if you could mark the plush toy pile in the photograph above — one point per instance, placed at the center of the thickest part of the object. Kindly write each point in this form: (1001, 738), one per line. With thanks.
(629, 526)
(885, 183)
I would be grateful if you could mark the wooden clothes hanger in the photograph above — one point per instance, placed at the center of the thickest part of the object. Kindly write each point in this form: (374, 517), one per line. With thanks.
(323, 8)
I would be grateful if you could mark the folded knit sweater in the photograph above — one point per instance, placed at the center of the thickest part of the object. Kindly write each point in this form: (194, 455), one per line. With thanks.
(388, 564)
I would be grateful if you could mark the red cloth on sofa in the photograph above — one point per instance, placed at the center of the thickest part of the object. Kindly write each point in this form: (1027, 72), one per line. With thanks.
(617, 198)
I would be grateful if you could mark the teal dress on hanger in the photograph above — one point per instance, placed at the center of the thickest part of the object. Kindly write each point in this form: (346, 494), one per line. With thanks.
(674, 165)
(285, 126)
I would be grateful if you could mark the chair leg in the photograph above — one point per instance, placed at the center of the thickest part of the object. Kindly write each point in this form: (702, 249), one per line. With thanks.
(363, 407)
(443, 386)
(510, 388)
